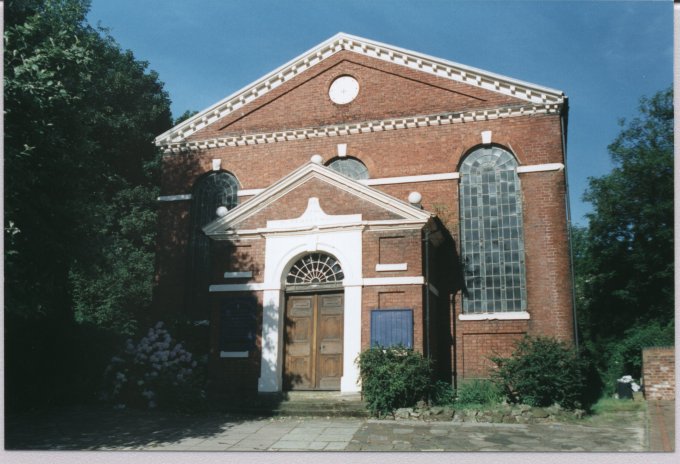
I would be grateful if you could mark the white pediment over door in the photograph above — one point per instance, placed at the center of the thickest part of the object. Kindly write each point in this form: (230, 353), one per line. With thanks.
(314, 216)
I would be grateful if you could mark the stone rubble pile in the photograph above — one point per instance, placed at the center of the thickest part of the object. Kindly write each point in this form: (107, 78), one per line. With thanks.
(506, 414)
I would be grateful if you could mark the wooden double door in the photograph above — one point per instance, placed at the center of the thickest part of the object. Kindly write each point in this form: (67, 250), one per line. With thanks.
(314, 329)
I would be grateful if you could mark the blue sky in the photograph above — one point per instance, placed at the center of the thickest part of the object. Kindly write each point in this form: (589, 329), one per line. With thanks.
(604, 55)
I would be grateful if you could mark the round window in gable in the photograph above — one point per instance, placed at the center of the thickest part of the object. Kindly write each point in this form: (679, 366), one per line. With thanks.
(343, 90)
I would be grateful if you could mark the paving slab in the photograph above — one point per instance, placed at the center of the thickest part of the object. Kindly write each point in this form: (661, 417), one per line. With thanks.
(107, 430)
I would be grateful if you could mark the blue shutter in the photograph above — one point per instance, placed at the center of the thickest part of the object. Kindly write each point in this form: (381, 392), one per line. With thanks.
(392, 327)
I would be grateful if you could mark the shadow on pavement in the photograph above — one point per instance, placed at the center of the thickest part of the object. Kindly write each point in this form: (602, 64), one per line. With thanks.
(95, 428)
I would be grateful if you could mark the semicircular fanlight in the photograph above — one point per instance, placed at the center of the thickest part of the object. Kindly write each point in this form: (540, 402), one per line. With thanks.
(315, 269)
(350, 167)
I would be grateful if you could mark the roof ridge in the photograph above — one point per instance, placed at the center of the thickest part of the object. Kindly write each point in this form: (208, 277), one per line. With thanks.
(532, 93)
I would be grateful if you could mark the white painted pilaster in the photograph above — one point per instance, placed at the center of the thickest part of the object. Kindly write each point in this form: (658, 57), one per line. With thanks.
(271, 368)
(352, 343)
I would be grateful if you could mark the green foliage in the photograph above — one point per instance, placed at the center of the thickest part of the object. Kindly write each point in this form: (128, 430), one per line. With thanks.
(627, 260)
(184, 116)
(541, 371)
(624, 357)
(442, 394)
(478, 392)
(623, 260)
(114, 291)
(80, 115)
(393, 378)
(80, 178)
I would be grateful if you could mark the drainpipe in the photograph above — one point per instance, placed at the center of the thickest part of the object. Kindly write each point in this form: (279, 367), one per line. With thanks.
(427, 292)
(563, 126)
(452, 308)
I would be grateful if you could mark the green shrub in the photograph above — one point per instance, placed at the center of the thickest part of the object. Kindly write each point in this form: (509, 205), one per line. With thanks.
(476, 391)
(393, 378)
(442, 394)
(541, 371)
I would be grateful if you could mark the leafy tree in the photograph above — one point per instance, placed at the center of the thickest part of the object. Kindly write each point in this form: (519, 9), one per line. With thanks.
(624, 259)
(80, 116)
(184, 116)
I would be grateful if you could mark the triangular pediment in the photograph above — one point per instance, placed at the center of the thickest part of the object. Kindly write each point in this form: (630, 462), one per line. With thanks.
(464, 87)
(315, 197)
(383, 88)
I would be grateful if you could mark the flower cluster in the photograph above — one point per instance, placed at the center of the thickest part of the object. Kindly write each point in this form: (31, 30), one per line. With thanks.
(155, 371)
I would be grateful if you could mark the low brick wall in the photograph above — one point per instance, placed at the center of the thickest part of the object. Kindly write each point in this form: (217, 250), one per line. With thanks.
(658, 373)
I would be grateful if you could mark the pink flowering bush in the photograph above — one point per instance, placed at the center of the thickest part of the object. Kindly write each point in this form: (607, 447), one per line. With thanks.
(155, 372)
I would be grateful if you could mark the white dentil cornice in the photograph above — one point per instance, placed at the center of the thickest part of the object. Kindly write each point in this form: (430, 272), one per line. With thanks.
(531, 93)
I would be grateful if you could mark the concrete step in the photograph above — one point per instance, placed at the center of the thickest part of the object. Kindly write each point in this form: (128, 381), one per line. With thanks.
(319, 404)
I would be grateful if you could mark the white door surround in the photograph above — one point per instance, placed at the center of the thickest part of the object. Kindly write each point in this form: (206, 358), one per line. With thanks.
(281, 251)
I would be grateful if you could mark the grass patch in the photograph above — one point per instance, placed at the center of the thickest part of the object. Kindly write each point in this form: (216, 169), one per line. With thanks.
(607, 405)
(477, 392)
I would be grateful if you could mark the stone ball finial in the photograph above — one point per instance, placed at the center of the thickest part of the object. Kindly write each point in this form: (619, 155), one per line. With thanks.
(415, 198)
(222, 211)
(316, 159)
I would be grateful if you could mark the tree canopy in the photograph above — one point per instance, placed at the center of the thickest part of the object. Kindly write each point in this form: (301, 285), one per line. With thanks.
(624, 258)
(80, 117)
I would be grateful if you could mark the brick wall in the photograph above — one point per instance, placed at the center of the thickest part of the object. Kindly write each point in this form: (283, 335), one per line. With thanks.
(658, 373)
(390, 297)
(404, 152)
(332, 200)
(386, 90)
(389, 90)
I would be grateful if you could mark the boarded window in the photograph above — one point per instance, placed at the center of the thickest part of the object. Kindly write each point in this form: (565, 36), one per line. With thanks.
(492, 235)
(238, 324)
(392, 327)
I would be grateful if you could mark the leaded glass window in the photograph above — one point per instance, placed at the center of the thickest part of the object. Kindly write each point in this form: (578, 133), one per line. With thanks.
(210, 192)
(314, 270)
(491, 235)
(350, 167)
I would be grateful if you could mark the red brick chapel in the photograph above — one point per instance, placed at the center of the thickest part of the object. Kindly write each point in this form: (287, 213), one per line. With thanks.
(363, 194)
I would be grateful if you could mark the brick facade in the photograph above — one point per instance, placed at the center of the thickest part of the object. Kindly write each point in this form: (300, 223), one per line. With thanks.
(461, 347)
(658, 373)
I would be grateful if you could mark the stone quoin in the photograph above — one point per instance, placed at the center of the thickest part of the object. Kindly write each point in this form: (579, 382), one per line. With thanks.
(365, 194)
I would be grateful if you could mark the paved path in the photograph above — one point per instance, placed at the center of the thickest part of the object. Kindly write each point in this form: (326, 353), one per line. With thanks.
(98, 429)
(271, 435)
(661, 425)
(419, 436)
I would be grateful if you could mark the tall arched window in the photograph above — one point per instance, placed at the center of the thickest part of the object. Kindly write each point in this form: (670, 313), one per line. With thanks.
(491, 232)
(350, 167)
(210, 192)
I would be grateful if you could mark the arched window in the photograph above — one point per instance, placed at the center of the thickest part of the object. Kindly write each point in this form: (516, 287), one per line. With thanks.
(350, 167)
(315, 270)
(491, 232)
(210, 192)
